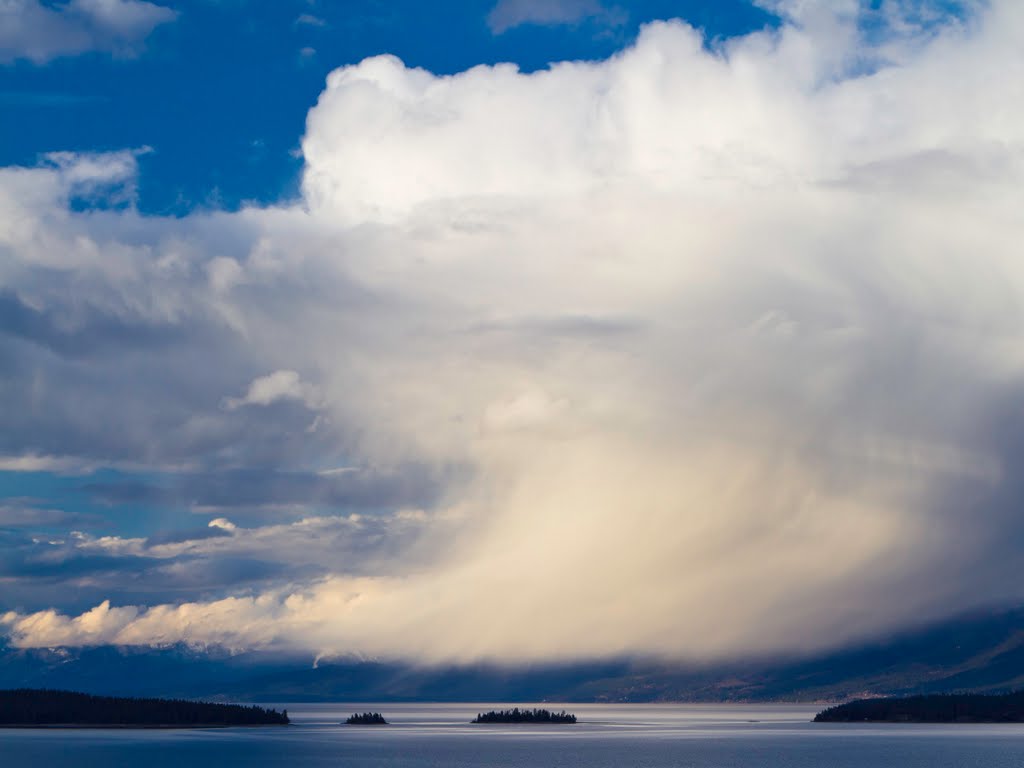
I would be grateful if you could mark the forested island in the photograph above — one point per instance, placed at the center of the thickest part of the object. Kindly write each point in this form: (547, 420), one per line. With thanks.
(518, 715)
(28, 707)
(367, 718)
(939, 708)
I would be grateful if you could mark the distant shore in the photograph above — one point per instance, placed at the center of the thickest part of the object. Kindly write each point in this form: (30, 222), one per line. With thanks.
(45, 708)
(937, 708)
(129, 727)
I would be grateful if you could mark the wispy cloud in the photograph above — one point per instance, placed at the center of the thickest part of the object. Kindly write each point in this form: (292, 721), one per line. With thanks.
(33, 462)
(274, 387)
(309, 20)
(507, 14)
(38, 565)
(40, 32)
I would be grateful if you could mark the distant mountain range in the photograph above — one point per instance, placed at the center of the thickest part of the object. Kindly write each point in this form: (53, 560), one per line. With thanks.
(982, 653)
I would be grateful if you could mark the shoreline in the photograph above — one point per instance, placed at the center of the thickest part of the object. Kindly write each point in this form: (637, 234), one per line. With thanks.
(130, 726)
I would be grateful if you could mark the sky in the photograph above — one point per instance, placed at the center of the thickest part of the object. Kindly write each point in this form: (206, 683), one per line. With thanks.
(508, 330)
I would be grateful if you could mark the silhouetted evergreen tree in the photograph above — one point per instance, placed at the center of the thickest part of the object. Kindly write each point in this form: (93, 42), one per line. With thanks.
(367, 718)
(516, 715)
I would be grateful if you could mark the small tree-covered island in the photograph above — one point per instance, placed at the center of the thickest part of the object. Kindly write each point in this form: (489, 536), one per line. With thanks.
(517, 715)
(938, 708)
(367, 718)
(33, 708)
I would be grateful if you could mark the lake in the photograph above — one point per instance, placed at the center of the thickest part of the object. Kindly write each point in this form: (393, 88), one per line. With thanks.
(439, 735)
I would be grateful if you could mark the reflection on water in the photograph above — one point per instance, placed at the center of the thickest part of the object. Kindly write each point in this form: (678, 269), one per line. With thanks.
(421, 735)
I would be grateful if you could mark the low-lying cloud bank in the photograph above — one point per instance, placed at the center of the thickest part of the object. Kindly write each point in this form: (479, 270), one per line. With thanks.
(725, 341)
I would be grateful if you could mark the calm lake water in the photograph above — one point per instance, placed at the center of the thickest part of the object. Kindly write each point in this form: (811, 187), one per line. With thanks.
(429, 735)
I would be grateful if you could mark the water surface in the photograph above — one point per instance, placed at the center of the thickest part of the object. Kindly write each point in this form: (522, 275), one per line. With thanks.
(607, 736)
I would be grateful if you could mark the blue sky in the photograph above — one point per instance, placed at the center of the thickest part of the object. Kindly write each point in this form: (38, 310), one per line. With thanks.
(345, 317)
(220, 93)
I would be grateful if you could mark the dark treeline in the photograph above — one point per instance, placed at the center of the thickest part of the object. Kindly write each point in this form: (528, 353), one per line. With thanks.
(367, 718)
(27, 706)
(518, 715)
(940, 708)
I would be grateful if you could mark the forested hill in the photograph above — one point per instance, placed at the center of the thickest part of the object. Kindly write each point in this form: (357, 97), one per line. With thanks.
(949, 708)
(34, 707)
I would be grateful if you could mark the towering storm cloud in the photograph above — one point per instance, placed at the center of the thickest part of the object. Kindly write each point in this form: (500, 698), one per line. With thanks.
(707, 349)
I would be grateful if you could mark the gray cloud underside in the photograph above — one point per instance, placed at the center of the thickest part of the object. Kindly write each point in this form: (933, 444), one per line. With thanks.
(724, 345)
